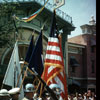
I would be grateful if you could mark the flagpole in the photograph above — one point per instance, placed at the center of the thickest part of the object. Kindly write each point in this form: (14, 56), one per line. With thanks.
(20, 74)
(38, 86)
(23, 78)
(41, 89)
(45, 85)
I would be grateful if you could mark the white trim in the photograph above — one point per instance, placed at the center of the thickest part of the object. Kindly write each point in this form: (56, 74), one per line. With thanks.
(73, 52)
(78, 78)
(58, 4)
(91, 78)
(75, 45)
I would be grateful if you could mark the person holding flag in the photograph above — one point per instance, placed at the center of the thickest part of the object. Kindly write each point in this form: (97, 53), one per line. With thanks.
(54, 66)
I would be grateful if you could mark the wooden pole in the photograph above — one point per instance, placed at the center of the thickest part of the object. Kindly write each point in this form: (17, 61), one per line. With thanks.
(20, 74)
(23, 77)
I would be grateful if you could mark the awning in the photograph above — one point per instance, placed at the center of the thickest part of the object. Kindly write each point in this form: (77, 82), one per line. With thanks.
(93, 42)
(74, 62)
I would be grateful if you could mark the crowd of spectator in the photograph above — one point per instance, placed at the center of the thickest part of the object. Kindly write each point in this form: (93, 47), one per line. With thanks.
(89, 95)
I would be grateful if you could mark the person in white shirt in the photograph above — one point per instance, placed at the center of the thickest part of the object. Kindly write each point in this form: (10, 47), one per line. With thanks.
(4, 95)
(14, 93)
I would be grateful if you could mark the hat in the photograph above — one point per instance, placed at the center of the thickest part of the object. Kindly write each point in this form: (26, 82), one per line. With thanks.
(52, 86)
(56, 87)
(46, 93)
(14, 91)
(4, 92)
(39, 98)
(29, 87)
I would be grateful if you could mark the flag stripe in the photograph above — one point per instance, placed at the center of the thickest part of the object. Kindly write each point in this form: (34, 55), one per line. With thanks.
(50, 61)
(53, 48)
(53, 44)
(53, 52)
(53, 57)
(53, 74)
(59, 80)
(53, 39)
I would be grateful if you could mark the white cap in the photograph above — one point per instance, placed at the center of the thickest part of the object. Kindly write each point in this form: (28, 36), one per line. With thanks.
(39, 98)
(52, 86)
(29, 87)
(47, 94)
(57, 87)
(14, 91)
(4, 92)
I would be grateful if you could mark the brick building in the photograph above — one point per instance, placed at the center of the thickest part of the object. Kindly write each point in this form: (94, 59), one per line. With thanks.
(82, 58)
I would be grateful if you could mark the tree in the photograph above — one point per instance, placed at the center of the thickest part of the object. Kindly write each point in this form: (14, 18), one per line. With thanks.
(7, 10)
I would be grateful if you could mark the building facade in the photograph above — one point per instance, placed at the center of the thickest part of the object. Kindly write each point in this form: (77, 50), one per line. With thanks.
(26, 30)
(82, 58)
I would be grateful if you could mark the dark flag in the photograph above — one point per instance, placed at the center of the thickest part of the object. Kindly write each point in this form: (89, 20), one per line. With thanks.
(29, 51)
(36, 62)
(54, 31)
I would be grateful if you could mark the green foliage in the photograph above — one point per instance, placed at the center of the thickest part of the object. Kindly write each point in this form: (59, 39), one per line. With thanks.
(7, 10)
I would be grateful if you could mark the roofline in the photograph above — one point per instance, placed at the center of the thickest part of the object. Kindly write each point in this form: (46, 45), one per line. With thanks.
(76, 45)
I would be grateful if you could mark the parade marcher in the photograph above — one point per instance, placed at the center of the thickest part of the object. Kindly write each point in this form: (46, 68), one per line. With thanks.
(29, 92)
(56, 89)
(35, 96)
(4, 95)
(14, 93)
(46, 95)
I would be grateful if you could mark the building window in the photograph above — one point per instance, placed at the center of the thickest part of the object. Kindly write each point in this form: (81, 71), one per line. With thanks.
(88, 30)
(93, 65)
(83, 31)
(73, 62)
(73, 69)
(92, 49)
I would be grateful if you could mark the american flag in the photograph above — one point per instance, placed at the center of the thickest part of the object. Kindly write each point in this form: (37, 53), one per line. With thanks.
(54, 65)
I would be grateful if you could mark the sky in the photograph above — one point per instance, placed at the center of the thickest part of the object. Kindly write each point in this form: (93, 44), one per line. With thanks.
(81, 12)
